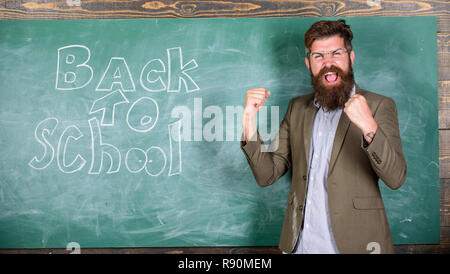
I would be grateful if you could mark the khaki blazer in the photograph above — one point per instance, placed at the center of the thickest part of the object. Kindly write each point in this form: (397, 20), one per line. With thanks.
(356, 208)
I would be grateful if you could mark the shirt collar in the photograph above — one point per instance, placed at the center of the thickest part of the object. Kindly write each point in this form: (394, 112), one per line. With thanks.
(351, 94)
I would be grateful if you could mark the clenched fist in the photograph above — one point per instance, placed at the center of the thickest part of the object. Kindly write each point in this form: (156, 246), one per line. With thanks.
(359, 113)
(254, 100)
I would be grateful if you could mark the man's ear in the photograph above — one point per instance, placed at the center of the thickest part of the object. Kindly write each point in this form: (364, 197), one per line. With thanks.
(307, 63)
(352, 56)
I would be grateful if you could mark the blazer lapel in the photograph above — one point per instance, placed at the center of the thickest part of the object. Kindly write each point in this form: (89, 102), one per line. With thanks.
(341, 131)
(308, 123)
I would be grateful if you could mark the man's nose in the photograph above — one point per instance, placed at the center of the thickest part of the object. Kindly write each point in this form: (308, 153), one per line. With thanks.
(328, 62)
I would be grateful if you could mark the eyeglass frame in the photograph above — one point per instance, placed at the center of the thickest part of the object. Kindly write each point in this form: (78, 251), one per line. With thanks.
(308, 53)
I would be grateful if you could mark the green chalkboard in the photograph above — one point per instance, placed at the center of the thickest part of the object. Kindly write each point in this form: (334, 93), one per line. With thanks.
(125, 133)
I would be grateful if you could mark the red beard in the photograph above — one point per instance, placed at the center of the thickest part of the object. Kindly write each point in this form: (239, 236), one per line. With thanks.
(334, 96)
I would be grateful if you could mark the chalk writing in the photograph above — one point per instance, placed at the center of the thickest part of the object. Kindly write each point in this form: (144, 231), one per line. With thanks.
(107, 106)
(74, 72)
(72, 62)
(117, 73)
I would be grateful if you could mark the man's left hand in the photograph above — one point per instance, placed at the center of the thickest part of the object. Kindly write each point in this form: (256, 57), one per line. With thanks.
(359, 113)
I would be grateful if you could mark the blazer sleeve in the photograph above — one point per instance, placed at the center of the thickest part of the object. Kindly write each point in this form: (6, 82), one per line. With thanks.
(385, 151)
(269, 164)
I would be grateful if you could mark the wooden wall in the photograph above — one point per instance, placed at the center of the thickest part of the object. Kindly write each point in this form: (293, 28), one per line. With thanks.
(98, 9)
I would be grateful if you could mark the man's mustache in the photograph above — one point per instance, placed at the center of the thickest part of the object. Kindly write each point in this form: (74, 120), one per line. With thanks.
(335, 69)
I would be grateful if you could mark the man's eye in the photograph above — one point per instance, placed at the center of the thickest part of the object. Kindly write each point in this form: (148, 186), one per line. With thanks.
(317, 56)
(337, 53)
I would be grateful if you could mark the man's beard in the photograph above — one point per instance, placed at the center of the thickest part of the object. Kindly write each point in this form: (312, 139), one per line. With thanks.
(333, 97)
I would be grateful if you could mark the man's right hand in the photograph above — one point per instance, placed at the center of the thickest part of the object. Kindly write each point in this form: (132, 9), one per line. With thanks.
(254, 100)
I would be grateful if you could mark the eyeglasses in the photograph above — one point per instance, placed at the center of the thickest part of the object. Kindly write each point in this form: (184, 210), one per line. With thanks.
(335, 54)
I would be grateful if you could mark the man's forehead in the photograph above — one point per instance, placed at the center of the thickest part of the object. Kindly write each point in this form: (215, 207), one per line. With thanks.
(328, 43)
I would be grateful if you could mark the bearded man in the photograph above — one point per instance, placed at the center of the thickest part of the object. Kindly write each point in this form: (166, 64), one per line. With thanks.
(338, 141)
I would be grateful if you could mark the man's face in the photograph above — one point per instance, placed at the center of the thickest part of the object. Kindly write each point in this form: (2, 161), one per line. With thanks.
(330, 66)
(326, 47)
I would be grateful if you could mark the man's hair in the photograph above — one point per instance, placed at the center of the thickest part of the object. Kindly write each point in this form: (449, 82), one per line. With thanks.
(324, 29)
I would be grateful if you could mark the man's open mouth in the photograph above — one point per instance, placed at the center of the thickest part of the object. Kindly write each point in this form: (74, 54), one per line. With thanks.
(331, 78)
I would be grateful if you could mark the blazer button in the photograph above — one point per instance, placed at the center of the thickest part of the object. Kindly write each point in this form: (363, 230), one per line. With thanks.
(304, 177)
(300, 207)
